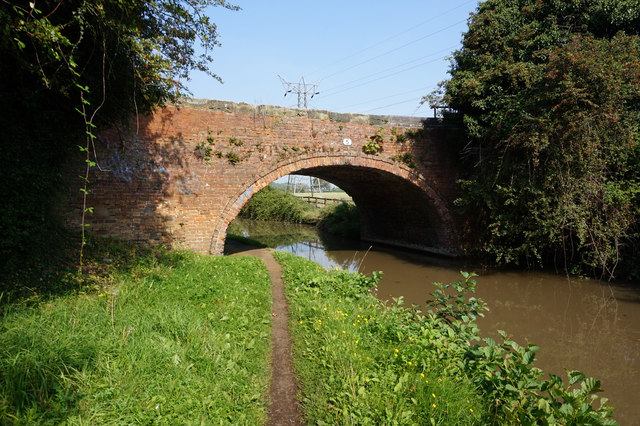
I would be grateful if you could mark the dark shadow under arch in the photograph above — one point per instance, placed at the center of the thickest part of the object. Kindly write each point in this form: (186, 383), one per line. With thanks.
(392, 209)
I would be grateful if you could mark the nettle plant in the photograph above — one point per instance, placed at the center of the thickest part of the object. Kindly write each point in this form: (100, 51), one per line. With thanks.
(504, 372)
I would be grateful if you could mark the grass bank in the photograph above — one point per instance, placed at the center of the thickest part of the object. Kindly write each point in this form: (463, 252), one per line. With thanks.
(161, 337)
(360, 361)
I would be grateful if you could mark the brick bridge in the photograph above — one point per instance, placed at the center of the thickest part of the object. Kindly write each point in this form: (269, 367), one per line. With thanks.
(182, 174)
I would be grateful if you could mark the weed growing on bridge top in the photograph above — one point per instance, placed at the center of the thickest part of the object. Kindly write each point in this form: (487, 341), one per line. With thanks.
(233, 158)
(400, 137)
(374, 145)
(178, 338)
(406, 158)
(361, 361)
(235, 142)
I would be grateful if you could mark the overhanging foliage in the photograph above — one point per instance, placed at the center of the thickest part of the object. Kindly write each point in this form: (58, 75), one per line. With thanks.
(549, 95)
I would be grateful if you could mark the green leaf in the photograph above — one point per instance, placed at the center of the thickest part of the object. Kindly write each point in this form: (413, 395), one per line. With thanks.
(575, 376)
(21, 45)
(566, 409)
(510, 387)
(543, 405)
(590, 385)
(528, 357)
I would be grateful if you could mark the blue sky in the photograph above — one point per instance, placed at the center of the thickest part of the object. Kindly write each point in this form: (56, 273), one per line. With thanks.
(373, 57)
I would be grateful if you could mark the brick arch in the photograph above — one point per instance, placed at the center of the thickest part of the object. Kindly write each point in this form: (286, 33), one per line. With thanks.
(422, 200)
(186, 173)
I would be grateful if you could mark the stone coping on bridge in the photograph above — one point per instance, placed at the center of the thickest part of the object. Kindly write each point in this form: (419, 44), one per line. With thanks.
(314, 114)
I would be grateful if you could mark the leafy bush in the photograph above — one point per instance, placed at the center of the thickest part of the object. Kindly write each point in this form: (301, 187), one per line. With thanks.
(277, 205)
(549, 97)
(341, 219)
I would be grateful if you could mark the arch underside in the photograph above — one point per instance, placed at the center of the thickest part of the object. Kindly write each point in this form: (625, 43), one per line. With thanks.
(396, 206)
(393, 210)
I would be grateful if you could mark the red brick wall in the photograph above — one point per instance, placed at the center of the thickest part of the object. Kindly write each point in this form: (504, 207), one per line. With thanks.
(170, 177)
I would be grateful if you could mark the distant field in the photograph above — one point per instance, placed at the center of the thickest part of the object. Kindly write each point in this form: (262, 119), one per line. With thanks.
(331, 195)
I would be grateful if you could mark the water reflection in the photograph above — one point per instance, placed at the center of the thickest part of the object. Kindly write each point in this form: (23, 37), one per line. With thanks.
(579, 324)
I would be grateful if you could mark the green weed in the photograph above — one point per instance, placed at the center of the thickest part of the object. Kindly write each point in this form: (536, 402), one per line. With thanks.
(374, 145)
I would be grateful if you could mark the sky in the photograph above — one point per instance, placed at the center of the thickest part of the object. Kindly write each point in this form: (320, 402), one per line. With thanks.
(368, 57)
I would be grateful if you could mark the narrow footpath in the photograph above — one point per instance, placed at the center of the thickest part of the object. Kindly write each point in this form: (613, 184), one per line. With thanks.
(283, 408)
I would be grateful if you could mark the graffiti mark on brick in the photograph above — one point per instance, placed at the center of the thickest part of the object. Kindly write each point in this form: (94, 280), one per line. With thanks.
(119, 167)
(245, 195)
(188, 184)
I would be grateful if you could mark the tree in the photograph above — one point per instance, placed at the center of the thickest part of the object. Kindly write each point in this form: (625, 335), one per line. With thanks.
(68, 66)
(549, 94)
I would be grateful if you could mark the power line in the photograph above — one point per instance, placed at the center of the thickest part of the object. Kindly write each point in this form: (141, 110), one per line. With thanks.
(303, 90)
(384, 76)
(387, 97)
(393, 36)
(397, 103)
(394, 50)
(447, 49)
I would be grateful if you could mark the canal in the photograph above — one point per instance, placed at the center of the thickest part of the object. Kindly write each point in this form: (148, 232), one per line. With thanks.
(579, 324)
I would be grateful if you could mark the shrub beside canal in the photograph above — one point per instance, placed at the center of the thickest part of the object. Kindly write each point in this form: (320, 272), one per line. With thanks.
(341, 219)
(273, 204)
(361, 361)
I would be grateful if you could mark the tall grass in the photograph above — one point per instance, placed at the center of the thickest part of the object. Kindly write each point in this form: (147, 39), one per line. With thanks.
(356, 363)
(178, 338)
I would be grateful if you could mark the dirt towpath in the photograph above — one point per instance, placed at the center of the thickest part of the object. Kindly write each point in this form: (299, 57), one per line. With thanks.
(283, 408)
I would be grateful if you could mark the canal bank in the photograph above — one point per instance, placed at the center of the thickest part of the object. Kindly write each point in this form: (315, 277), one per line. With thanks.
(580, 324)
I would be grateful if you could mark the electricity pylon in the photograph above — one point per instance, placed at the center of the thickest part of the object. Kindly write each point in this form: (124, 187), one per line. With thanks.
(302, 89)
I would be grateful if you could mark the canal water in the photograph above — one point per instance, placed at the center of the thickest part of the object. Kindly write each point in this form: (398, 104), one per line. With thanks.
(579, 324)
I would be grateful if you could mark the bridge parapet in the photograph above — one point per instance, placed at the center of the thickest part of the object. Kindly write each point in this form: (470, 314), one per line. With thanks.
(315, 114)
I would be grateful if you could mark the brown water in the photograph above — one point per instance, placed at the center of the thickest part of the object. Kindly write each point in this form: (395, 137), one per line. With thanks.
(585, 325)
